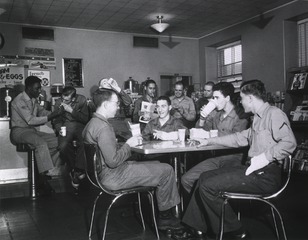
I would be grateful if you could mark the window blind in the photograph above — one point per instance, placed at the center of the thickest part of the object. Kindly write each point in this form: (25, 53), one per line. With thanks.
(303, 43)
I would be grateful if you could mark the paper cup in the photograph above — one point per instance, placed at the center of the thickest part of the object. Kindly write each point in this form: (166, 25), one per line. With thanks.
(208, 109)
(181, 133)
(213, 133)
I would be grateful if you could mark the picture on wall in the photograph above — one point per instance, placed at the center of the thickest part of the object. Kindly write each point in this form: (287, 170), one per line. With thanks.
(72, 72)
(299, 81)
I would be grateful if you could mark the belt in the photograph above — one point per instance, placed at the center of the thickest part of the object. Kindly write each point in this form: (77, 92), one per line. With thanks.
(248, 162)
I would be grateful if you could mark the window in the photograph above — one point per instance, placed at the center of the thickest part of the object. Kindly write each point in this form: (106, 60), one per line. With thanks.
(303, 43)
(230, 63)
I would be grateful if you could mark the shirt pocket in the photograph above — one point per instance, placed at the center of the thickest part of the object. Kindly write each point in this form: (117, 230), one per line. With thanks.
(263, 140)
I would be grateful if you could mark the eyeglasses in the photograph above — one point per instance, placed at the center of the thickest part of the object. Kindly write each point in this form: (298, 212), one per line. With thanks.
(118, 102)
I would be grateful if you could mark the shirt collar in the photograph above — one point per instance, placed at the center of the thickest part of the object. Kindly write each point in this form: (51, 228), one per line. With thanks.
(26, 96)
(101, 117)
(170, 121)
(262, 109)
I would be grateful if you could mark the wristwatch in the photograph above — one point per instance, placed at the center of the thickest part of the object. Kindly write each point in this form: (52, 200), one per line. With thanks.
(1, 41)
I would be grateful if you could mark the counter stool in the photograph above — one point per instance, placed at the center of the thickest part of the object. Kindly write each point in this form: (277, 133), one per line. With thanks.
(24, 147)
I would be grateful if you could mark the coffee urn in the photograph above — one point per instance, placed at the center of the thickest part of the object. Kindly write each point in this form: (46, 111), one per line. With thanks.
(132, 85)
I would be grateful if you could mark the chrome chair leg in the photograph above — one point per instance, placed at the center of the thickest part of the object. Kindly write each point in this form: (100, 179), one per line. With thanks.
(107, 215)
(281, 221)
(93, 213)
(140, 211)
(153, 213)
(275, 223)
(222, 217)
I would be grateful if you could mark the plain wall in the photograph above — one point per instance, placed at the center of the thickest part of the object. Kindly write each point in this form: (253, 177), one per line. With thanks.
(267, 53)
(108, 54)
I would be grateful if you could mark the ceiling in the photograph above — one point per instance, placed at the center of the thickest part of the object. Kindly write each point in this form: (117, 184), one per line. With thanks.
(187, 18)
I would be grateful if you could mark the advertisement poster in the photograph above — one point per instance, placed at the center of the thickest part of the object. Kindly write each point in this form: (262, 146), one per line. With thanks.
(43, 75)
(11, 76)
(72, 72)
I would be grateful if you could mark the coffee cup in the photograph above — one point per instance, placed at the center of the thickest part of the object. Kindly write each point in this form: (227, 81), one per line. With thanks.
(63, 131)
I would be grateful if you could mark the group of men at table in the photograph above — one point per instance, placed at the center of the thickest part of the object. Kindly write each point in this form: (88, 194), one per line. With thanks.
(269, 138)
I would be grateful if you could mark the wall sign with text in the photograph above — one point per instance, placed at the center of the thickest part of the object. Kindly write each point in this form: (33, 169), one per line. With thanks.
(72, 72)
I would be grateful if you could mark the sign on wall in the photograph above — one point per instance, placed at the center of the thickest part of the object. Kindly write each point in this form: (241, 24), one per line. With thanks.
(43, 75)
(72, 72)
(11, 76)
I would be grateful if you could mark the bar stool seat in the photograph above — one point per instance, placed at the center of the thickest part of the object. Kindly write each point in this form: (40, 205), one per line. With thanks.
(25, 147)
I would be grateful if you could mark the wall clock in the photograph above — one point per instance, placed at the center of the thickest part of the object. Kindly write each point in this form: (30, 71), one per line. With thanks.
(1, 41)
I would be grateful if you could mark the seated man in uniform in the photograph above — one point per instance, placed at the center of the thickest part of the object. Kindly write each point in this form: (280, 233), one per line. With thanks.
(165, 127)
(27, 114)
(226, 118)
(270, 140)
(117, 172)
(75, 118)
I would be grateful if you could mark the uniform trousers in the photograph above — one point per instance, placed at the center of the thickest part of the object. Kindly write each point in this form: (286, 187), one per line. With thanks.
(75, 158)
(192, 175)
(204, 208)
(150, 173)
(46, 144)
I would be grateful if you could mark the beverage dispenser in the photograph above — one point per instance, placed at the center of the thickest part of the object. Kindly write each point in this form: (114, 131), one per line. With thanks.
(132, 85)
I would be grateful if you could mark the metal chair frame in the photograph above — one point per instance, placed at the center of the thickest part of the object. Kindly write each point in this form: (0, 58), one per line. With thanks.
(90, 150)
(259, 197)
(25, 147)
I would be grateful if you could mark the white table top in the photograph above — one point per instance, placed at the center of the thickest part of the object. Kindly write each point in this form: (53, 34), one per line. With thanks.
(155, 147)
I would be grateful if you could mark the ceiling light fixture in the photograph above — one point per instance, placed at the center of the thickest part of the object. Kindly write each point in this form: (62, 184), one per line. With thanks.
(160, 26)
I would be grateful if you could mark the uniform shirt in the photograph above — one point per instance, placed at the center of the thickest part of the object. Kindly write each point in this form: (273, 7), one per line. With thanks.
(27, 112)
(188, 106)
(173, 124)
(270, 134)
(235, 121)
(80, 112)
(100, 132)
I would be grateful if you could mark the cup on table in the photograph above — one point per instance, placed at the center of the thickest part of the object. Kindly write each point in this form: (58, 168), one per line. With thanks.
(213, 133)
(181, 133)
(135, 129)
(205, 111)
(63, 131)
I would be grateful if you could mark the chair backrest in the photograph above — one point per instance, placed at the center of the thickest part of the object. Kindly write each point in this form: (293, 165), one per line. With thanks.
(287, 167)
(90, 152)
(94, 167)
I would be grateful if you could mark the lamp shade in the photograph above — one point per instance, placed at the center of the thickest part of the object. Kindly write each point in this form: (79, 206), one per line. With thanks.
(160, 26)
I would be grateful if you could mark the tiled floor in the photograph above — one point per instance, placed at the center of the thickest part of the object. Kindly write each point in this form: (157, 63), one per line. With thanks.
(65, 216)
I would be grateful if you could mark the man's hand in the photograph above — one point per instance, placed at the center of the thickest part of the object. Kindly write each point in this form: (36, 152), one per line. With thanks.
(257, 163)
(134, 141)
(114, 85)
(67, 108)
(157, 134)
(203, 142)
(55, 113)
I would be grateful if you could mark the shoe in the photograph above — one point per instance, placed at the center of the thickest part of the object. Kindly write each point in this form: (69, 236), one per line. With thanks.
(237, 234)
(55, 172)
(171, 223)
(188, 234)
(43, 187)
(76, 177)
